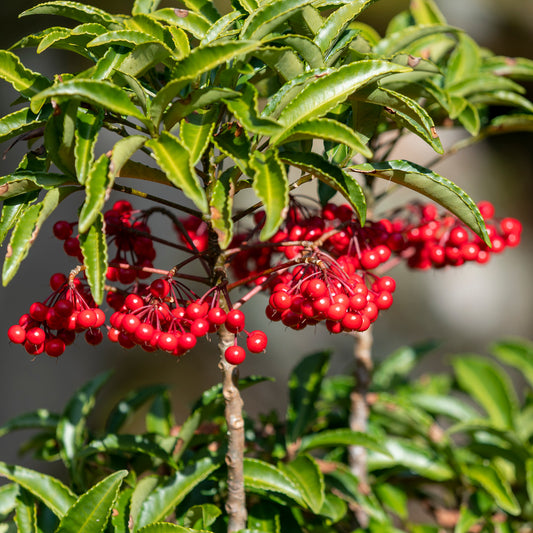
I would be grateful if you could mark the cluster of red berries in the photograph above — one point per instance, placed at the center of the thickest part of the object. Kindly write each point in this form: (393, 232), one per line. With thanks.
(432, 240)
(167, 318)
(52, 325)
(323, 289)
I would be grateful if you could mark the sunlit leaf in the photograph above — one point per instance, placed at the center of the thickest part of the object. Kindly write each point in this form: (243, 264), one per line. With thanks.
(73, 10)
(23, 80)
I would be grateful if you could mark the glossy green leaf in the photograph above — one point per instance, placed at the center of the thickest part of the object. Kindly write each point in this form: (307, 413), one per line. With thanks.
(91, 511)
(517, 353)
(12, 209)
(447, 406)
(26, 513)
(121, 153)
(144, 6)
(126, 38)
(175, 160)
(195, 24)
(166, 527)
(412, 457)
(59, 137)
(232, 141)
(65, 39)
(488, 478)
(337, 22)
(71, 429)
(159, 418)
(489, 386)
(432, 185)
(334, 507)
(141, 59)
(464, 61)
(405, 111)
(22, 121)
(469, 119)
(201, 516)
(23, 80)
(8, 498)
(529, 478)
(304, 388)
(327, 129)
(206, 8)
(519, 68)
(306, 475)
(325, 92)
(196, 131)
(56, 496)
(160, 503)
(94, 249)
(394, 498)
(426, 12)
(482, 83)
(121, 511)
(502, 98)
(331, 175)
(282, 60)
(264, 477)
(339, 437)
(271, 186)
(40, 419)
(218, 28)
(27, 228)
(302, 45)
(221, 207)
(467, 519)
(143, 488)
(73, 10)
(97, 92)
(134, 169)
(269, 16)
(96, 190)
(33, 39)
(88, 125)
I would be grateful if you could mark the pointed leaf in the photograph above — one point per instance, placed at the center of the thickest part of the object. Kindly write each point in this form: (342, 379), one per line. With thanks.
(495, 484)
(12, 209)
(126, 407)
(91, 511)
(23, 80)
(130, 38)
(196, 131)
(206, 8)
(121, 153)
(304, 388)
(517, 353)
(305, 474)
(144, 6)
(529, 478)
(72, 10)
(221, 206)
(445, 406)
(426, 12)
(56, 496)
(195, 24)
(88, 125)
(164, 498)
(201, 516)
(96, 190)
(483, 83)
(283, 60)
(94, 249)
(269, 16)
(464, 61)
(331, 175)
(325, 92)
(304, 46)
(159, 418)
(26, 513)
(22, 121)
(175, 160)
(27, 229)
(339, 437)
(469, 118)
(165, 527)
(218, 28)
(502, 98)
(519, 68)
(141, 59)
(264, 477)
(490, 386)
(232, 141)
(8, 498)
(327, 129)
(40, 419)
(120, 514)
(432, 185)
(271, 185)
(98, 92)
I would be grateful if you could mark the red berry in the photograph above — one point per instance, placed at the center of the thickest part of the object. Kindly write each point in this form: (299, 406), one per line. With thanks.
(187, 341)
(336, 312)
(256, 341)
(216, 315)
(384, 300)
(280, 300)
(200, 327)
(100, 317)
(160, 288)
(133, 302)
(63, 308)
(16, 334)
(54, 347)
(38, 311)
(34, 349)
(126, 275)
(86, 319)
(486, 209)
(130, 323)
(316, 288)
(93, 336)
(235, 321)
(62, 230)
(351, 321)
(458, 236)
(144, 332)
(195, 310)
(369, 259)
(57, 281)
(235, 355)
(72, 247)
(35, 336)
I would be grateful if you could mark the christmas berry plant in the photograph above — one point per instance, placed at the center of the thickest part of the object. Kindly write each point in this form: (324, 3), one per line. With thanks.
(267, 97)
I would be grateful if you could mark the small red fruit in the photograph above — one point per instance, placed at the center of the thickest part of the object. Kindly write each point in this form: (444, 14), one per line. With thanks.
(235, 355)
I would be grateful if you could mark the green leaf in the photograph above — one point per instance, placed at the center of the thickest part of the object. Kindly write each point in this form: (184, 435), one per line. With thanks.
(165, 527)
(40, 419)
(91, 511)
(502, 98)
(339, 437)
(331, 175)
(529, 478)
(264, 477)
(394, 498)
(304, 388)
(144, 6)
(59, 137)
(159, 418)
(72, 10)
(176, 162)
(432, 185)
(334, 507)
(129, 38)
(233, 142)
(489, 386)
(219, 27)
(27, 229)
(269, 16)
(519, 68)
(127, 406)
(325, 92)
(141, 59)
(121, 512)
(71, 429)
(302, 45)
(327, 129)
(88, 125)
(426, 12)
(411, 456)
(305, 474)
(489, 479)
(96, 190)
(195, 24)
(121, 153)
(206, 8)
(196, 131)
(8, 498)
(271, 185)
(469, 118)
(201, 516)
(23, 80)
(444, 406)
(337, 22)
(94, 249)
(22, 121)
(164, 498)
(56, 496)
(464, 61)
(517, 353)
(98, 92)
(483, 83)
(26, 513)
(221, 207)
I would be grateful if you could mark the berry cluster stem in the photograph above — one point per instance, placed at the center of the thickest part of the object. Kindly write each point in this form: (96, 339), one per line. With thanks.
(359, 411)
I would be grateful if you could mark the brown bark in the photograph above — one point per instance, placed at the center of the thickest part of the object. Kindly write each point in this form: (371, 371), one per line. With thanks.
(357, 455)
(236, 499)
